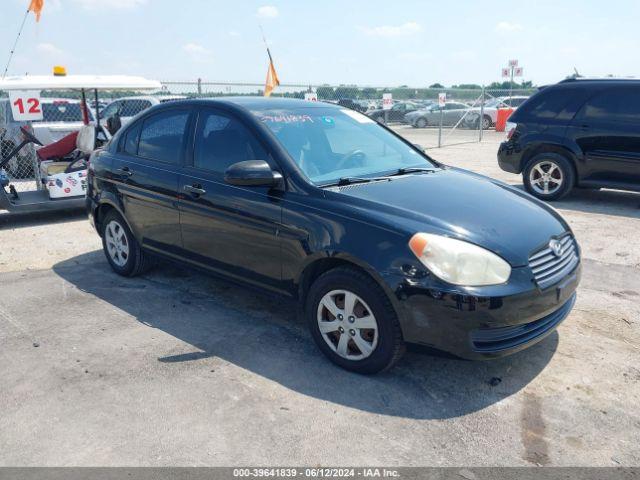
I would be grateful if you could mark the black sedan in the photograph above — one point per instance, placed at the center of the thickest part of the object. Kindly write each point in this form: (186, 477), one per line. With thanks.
(381, 244)
(395, 114)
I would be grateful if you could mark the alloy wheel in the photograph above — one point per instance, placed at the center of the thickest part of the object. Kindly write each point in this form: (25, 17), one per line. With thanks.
(347, 324)
(117, 243)
(546, 177)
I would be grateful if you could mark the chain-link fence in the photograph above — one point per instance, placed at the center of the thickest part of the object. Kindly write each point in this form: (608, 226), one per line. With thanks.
(430, 117)
(467, 114)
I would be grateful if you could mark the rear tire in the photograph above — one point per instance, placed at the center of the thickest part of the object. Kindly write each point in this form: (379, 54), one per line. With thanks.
(549, 176)
(122, 250)
(486, 122)
(421, 123)
(364, 335)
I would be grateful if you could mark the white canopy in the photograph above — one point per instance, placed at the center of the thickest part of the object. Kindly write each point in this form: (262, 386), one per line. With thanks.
(68, 82)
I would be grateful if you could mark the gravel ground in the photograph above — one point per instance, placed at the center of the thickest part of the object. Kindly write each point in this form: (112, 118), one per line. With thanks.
(175, 368)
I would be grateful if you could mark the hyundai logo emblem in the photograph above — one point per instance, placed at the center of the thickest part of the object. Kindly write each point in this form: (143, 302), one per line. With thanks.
(556, 247)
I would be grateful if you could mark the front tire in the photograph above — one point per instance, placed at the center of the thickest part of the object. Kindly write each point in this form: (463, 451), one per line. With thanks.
(421, 123)
(548, 176)
(486, 122)
(122, 250)
(353, 322)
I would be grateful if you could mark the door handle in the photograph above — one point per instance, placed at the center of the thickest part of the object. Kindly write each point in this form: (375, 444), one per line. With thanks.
(195, 190)
(124, 171)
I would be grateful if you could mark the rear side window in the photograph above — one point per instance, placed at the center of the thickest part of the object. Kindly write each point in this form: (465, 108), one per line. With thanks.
(162, 136)
(620, 105)
(551, 104)
(130, 144)
(221, 141)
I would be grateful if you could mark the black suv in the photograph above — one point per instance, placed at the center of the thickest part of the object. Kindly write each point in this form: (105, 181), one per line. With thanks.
(578, 133)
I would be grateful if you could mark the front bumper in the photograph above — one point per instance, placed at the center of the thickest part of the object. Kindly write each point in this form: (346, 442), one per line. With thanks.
(486, 322)
(91, 207)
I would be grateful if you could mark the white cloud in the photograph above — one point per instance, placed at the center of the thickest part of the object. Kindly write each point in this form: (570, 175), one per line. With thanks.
(408, 28)
(110, 4)
(507, 27)
(49, 49)
(197, 52)
(267, 11)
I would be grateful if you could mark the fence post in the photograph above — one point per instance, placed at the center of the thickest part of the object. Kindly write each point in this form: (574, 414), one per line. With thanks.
(199, 87)
(481, 121)
(440, 128)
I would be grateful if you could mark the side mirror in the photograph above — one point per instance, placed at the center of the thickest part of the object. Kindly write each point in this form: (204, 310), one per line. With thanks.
(252, 173)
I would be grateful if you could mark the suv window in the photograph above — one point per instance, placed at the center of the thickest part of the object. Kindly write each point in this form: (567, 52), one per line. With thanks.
(221, 141)
(110, 109)
(130, 108)
(615, 105)
(162, 136)
(552, 103)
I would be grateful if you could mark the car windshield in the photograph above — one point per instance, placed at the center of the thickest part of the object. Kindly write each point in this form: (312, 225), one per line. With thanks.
(330, 143)
(61, 111)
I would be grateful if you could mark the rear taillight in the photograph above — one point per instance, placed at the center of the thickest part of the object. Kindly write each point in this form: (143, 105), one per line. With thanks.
(510, 128)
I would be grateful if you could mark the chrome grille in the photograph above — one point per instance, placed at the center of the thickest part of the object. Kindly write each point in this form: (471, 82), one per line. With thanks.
(548, 268)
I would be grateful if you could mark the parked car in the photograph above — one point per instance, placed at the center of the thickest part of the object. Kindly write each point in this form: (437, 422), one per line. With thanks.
(128, 107)
(352, 104)
(395, 114)
(61, 116)
(379, 243)
(578, 133)
(490, 111)
(452, 114)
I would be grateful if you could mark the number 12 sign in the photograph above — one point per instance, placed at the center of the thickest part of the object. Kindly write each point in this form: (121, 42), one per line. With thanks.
(25, 105)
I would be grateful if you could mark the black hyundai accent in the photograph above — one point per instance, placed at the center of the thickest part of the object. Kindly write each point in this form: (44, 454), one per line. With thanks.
(381, 244)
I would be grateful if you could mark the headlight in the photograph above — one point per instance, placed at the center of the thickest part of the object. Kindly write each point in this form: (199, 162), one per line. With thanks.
(458, 262)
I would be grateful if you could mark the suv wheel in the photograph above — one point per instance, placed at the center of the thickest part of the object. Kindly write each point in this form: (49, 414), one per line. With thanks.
(548, 176)
(122, 250)
(353, 322)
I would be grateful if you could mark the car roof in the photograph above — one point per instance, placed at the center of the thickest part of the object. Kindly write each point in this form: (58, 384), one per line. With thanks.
(593, 82)
(264, 103)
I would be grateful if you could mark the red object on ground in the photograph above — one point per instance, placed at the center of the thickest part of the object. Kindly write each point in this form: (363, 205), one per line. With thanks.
(59, 149)
(501, 121)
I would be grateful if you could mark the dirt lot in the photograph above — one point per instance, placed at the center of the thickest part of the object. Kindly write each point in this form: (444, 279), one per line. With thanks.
(180, 369)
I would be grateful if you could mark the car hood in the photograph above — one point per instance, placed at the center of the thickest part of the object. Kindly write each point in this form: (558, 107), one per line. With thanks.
(464, 205)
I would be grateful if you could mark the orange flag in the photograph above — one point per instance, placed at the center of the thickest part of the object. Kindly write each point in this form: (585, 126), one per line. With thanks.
(272, 78)
(36, 7)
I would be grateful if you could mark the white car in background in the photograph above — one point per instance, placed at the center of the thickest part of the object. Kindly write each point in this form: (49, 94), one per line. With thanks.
(128, 107)
(490, 111)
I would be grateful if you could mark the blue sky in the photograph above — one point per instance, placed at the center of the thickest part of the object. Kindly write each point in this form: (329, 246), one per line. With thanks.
(378, 43)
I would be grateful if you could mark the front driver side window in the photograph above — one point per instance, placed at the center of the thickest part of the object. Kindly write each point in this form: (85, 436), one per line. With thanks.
(221, 140)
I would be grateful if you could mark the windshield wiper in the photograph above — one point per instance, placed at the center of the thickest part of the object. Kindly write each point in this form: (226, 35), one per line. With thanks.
(353, 180)
(403, 171)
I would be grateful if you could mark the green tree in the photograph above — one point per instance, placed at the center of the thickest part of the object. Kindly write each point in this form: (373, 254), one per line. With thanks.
(436, 85)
